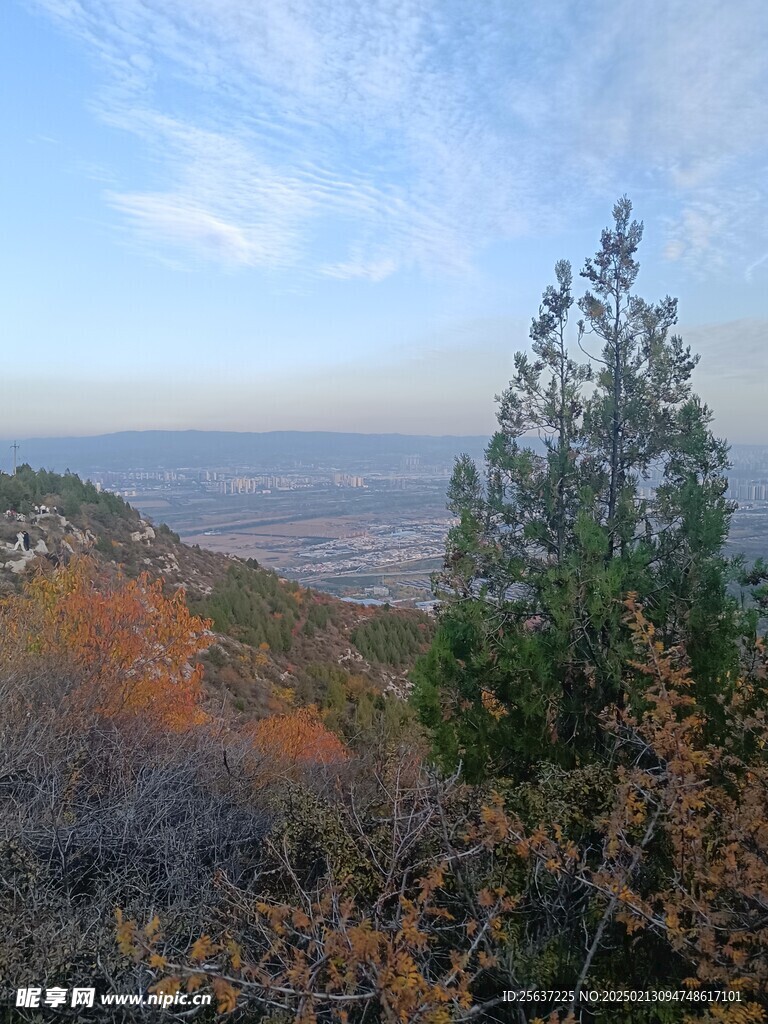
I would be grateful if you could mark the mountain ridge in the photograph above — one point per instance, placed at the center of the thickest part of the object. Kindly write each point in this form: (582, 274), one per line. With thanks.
(204, 448)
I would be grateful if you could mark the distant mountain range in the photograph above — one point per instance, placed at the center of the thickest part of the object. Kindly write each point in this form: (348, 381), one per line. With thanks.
(203, 449)
(197, 449)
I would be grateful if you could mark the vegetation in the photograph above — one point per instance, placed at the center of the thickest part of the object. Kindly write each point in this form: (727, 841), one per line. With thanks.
(276, 619)
(581, 810)
(296, 881)
(254, 607)
(28, 488)
(548, 546)
(391, 638)
(359, 713)
(127, 644)
(590, 660)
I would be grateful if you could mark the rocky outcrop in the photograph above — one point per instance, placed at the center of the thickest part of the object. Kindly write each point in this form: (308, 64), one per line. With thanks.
(145, 535)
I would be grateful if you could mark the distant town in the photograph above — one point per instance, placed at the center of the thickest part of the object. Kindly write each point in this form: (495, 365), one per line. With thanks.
(364, 518)
(375, 538)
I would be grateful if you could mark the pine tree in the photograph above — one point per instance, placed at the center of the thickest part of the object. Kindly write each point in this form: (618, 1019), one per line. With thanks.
(564, 524)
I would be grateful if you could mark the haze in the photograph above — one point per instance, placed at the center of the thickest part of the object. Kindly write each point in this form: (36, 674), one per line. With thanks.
(337, 215)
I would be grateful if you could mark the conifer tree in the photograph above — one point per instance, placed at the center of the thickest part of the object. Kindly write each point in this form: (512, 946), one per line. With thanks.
(564, 524)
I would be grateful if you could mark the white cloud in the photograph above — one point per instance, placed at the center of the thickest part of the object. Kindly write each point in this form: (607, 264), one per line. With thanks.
(761, 261)
(719, 226)
(180, 224)
(413, 132)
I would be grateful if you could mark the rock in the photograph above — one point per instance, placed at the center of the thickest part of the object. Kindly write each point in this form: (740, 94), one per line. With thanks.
(21, 564)
(146, 534)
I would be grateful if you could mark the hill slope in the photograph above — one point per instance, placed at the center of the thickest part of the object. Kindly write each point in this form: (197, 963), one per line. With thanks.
(276, 645)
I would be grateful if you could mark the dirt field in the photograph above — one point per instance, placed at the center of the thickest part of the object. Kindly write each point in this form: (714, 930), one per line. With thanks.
(277, 544)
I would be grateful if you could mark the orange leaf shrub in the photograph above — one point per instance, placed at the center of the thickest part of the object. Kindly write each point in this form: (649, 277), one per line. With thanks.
(295, 740)
(127, 646)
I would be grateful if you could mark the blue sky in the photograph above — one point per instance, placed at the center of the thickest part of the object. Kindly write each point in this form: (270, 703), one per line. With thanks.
(340, 214)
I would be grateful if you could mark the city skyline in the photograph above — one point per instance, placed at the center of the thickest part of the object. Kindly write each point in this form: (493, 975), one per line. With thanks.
(342, 216)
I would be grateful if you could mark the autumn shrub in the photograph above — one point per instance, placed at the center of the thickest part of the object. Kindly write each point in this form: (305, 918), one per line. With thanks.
(301, 878)
(654, 865)
(101, 812)
(408, 897)
(98, 812)
(288, 745)
(374, 914)
(126, 645)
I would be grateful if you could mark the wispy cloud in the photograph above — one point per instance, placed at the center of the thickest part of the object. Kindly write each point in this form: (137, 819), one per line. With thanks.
(762, 261)
(170, 219)
(355, 138)
(723, 225)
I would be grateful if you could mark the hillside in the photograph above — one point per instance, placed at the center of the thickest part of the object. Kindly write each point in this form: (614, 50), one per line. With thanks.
(275, 645)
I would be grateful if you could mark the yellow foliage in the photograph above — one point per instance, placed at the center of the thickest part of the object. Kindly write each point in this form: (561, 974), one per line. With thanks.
(126, 935)
(226, 995)
(202, 948)
(166, 986)
(493, 705)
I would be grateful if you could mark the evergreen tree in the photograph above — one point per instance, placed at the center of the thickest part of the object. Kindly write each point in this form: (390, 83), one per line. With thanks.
(532, 645)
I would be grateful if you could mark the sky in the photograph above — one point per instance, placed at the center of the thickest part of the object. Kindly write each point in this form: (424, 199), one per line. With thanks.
(341, 214)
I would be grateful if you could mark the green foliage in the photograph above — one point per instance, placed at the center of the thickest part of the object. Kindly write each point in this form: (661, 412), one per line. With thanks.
(532, 645)
(316, 837)
(253, 606)
(68, 492)
(163, 530)
(452, 686)
(355, 709)
(215, 656)
(105, 547)
(319, 615)
(391, 638)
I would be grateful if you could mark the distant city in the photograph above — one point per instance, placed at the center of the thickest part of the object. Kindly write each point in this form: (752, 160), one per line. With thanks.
(375, 537)
(360, 516)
